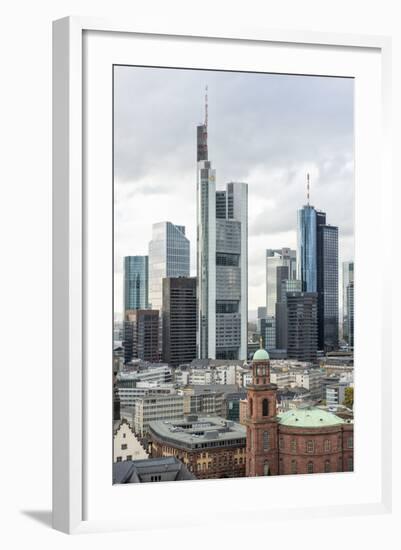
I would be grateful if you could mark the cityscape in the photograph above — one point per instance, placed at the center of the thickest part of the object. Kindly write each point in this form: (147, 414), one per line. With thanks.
(218, 374)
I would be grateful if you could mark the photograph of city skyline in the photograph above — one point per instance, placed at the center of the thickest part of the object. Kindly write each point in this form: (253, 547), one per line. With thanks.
(233, 274)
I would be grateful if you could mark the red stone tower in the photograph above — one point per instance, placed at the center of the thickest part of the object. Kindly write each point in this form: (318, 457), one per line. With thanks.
(261, 421)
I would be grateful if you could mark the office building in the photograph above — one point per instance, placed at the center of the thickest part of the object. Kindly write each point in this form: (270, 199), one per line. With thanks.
(350, 313)
(317, 269)
(179, 320)
(302, 326)
(222, 250)
(210, 447)
(268, 332)
(136, 281)
(156, 407)
(141, 335)
(276, 259)
(169, 252)
(286, 286)
(348, 277)
(327, 285)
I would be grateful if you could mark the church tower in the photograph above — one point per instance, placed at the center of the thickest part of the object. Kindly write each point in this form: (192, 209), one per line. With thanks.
(261, 421)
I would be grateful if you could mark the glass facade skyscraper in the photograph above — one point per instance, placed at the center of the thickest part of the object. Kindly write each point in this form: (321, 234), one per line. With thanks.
(136, 281)
(317, 269)
(222, 262)
(275, 259)
(169, 252)
(348, 277)
(307, 248)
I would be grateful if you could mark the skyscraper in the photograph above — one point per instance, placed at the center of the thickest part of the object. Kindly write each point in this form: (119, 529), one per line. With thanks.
(348, 277)
(317, 269)
(136, 281)
(327, 287)
(350, 313)
(179, 320)
(281, 311)
(307, 248)
(168, 257)
(276, 259)
(222, 250)
(141, 335)
(302, 326)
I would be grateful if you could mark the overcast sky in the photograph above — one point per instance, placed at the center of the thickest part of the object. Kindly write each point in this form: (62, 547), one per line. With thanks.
(266, 130)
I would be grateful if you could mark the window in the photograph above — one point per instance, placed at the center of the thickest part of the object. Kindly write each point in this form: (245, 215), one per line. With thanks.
(124, 446)
(310, 446)
(281, 442)
(327, 446)
(350, 442)
(293, 466)
(265, 407)
(293, 445)
(340, 465)
(119, 459)
(250, 407)
(310, 468)
(124, 436)
(265, 440)
(327, 466)
(350, 464)
(129, 457)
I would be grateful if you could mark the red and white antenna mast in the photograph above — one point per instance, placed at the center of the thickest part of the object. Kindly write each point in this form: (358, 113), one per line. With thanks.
(307, 187)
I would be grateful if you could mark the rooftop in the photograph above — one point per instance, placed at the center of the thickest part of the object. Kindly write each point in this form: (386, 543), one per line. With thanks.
(309, 417)
(140, 471)
(199, 432)
(260, 355)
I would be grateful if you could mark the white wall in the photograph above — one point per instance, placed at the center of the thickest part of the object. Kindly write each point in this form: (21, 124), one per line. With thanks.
(25, 104)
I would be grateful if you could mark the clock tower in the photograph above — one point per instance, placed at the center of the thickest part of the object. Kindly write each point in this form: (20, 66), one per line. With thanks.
(261, 421)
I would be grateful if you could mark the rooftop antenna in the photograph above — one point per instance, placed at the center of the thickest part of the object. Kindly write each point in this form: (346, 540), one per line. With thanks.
(260, 343)
(206, 107)
(308, 187)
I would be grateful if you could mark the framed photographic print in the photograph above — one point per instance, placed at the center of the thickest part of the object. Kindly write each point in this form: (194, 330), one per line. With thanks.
(218, 327)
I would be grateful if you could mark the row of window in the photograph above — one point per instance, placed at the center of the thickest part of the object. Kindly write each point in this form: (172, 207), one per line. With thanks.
(310, 444)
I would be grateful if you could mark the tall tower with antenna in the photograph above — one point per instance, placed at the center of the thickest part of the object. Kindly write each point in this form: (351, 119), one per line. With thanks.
(222, 259)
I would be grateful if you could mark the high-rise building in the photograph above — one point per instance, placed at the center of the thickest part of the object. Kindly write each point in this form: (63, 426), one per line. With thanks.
(179, 320)
(136, 281)
(281, 311)
(280, 264)
(169, 252)
(350, 313)
(222, 260)
(317, 269)
(327, 286)
(307, 248)
(268, 332)
(302, 326)
(141, 335)
(348, 277)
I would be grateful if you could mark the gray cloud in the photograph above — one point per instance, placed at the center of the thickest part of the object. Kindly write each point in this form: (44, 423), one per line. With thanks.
(267, 130)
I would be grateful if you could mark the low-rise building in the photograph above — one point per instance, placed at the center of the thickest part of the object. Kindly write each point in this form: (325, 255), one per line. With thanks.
(210, 447)
(150, 470)
(126, 445)
(156, 407)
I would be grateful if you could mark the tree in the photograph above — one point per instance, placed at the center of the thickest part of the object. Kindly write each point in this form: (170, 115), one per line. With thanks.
(349, 397)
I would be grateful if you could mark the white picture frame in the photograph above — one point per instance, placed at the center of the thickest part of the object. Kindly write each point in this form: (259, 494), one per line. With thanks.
(74, 406)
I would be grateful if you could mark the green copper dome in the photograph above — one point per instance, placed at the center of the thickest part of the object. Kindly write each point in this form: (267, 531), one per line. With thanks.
(260, 355)
(309, 418)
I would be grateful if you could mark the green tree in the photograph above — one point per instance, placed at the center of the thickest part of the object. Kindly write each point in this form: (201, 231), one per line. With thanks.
(349, 397)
